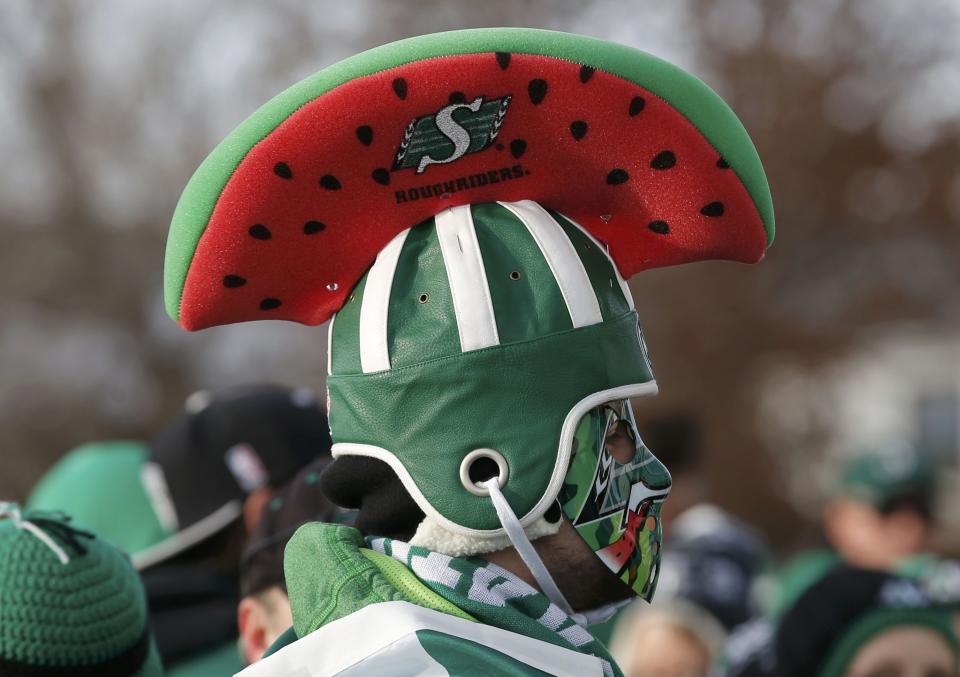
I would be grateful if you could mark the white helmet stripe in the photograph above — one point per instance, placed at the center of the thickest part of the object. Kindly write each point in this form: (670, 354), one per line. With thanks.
(563, 260)
(374, 351)
(624, 287)
(472, 304)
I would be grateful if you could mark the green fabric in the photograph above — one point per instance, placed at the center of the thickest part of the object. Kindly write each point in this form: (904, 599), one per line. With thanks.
(419, 331)
(600, 270)
(798, 575)
(463, 657)
(882, 474)
(527, 307)
(85, 612)
(431, 415)
(346, 329)
(403, 579)
(687, 94)
(874, 623)
(99, 486)
(329, 576)
(223, 661)
(495, 597)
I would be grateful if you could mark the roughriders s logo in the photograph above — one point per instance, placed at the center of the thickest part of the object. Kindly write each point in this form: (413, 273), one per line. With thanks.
(450, 133)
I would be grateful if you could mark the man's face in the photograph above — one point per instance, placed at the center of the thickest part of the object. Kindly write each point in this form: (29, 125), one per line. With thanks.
(867, 537)
(905, 652)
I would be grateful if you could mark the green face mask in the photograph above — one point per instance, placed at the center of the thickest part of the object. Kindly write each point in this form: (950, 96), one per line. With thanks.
(613, 492)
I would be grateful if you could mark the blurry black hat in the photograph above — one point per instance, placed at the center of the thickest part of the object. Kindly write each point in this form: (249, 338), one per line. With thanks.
(298, 502)
(713, 560)
(224, 447)
(822, 632)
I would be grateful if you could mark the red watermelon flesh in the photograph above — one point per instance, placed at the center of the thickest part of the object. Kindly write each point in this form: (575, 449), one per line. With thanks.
(309, 206)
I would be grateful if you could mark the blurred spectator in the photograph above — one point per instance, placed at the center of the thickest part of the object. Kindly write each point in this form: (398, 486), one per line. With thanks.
(70, 602)
(856, 623)
(212, 471)
(717, 562)
(879, 517)
(710, 569)
(676, 440)
(100, 486)
(264, 612)
(881, 513)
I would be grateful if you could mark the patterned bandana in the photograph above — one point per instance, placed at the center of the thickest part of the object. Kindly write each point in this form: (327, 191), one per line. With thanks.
(613, 493)
(494, 596)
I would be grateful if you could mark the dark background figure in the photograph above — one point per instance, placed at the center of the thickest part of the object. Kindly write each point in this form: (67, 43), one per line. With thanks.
(264, 610)
(216, 467)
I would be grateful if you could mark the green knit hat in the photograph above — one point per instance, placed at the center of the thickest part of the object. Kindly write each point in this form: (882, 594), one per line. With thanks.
(100, 485)
(883, 475)
(70, 602)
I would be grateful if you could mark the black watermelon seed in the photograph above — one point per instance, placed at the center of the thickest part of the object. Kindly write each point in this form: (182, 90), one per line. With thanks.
(270, 304)
(659, 227)
(723, 164)
(665, 159)
(713, 209)
(537, 89)
(330, 182)
(617, 176)
(233, 281)
(586, 72)
(400, 88)
(579, 129)
(637, 104)
(258, 231)
(503, 59)
(282, 169)
(365, 134)
(456, 97)
(313, 227)
(518, 147)
(381, 176)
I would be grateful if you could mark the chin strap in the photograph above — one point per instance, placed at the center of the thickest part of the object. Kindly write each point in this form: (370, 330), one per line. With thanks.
(518, 537)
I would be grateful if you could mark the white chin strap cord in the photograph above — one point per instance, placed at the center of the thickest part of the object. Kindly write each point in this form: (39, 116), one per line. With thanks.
(528, 554)
(12, 511)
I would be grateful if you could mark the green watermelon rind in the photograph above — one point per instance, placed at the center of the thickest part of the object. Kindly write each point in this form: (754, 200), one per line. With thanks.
(686, 93)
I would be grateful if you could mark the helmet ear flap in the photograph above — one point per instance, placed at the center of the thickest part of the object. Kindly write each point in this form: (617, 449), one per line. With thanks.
(370, 486)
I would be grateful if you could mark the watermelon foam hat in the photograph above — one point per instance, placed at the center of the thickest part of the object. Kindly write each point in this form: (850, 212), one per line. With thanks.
(465, 207)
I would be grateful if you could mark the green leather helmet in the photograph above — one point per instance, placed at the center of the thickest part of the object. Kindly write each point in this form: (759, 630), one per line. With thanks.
(483, 334)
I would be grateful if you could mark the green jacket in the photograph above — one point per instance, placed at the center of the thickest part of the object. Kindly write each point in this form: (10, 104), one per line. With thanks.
(377, 606)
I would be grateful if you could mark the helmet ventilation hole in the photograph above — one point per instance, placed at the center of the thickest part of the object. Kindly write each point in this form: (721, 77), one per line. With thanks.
(481, 465)
(515, 275)
(423, 298)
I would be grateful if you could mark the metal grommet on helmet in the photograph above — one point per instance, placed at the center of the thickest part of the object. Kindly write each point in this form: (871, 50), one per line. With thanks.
(473, 472)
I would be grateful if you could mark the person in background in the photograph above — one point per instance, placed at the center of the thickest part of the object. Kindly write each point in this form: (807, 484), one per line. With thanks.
(855, 623)
(100, 485)
(70, 602)
(879, 516)
(678, 438)
(882, 513)
(264, 611)
(711, 568)
(211, 472)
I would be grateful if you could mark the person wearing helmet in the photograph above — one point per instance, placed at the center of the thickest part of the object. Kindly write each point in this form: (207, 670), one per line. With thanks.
(466, 207)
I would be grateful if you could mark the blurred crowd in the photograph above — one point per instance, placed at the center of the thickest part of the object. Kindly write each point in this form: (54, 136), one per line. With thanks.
(177, 543)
